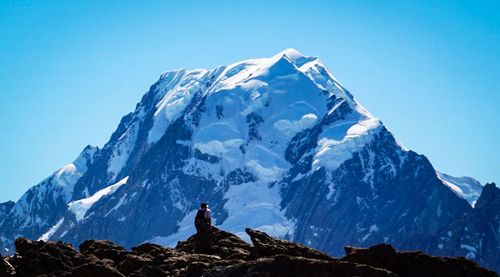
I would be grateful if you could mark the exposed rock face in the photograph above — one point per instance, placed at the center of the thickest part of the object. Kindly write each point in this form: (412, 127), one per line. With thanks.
(265, 245)
(219, 253)
(217, 242)
(476, 235)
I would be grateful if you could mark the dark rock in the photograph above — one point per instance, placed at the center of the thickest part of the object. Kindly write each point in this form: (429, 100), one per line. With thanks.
(476, 235)
(216, 242)
(219, 253)
(95, 270)
(103, 249)
(150, 271)
(6, 269)
(153, 250)
(37, 257)
(132, 263)
(413, 263)
(282, 265)
(265, 245)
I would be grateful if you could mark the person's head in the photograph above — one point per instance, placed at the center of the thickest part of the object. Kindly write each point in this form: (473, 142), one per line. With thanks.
(204, 205)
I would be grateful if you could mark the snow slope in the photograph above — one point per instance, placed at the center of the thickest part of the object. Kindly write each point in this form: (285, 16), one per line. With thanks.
(466, 187)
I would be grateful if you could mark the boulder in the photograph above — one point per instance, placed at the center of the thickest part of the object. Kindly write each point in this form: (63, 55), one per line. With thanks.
(265, 245)
(36, 258)
(216, 242)
(103, 249)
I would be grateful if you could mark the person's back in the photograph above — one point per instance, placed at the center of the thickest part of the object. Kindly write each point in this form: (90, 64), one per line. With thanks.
(203, 219)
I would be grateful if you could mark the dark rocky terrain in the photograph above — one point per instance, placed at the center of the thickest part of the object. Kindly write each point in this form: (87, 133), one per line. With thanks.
(221, 253)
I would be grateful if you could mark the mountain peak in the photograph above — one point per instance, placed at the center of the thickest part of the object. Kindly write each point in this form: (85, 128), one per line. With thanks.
(275, 144)
(489, 196)
(295, 57)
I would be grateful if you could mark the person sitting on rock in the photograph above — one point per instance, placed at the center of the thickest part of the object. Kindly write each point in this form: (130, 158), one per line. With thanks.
(203, 219)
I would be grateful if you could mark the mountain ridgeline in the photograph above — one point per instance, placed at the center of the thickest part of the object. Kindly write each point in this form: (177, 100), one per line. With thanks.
(274, 144)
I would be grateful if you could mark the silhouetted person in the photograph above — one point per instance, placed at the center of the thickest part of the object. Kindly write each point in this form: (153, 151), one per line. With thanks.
(203, 219)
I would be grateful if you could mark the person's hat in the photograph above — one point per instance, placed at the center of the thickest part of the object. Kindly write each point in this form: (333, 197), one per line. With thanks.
(204, 205)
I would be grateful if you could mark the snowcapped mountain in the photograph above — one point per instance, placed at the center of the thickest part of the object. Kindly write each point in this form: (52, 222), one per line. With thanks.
(275, 144)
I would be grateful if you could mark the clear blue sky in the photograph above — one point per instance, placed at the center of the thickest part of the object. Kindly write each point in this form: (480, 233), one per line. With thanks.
(70, 69)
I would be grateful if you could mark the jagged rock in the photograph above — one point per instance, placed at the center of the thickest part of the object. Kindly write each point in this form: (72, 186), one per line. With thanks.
(6, 269)
(219, 253)
(265, 245)
(216, 242)
(95, 270)
(151, 249)
(37, 257)
(103, 249)
(133, 263)
(413, 263)
(149, 271)
(283, 265)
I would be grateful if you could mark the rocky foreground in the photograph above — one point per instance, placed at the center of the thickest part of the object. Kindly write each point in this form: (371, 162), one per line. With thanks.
(220, 253)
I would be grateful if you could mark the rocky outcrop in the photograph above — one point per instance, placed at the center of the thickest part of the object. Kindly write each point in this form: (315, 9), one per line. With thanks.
(220, 253)
(413, 263)
(217, 242)
(265, 245)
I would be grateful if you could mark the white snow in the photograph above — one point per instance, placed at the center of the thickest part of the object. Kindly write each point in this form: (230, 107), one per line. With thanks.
(67, 176)
(186, 229)
(468, 247)
(178, 90)
(466, 187)
(255, 205)
(46, 236)
(122, 150)
(472, 251)
(331, 189)
(249, 205)
(80, 207)
(118, 205)
(292, 127)
(332, 152)
(373, 229)
(290, 92)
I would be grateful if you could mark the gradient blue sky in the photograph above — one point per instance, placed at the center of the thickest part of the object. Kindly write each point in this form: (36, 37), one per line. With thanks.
(70, 69)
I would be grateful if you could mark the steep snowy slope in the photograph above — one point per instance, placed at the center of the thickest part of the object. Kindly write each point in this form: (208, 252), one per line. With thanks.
(275, 144)
(466, 187)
